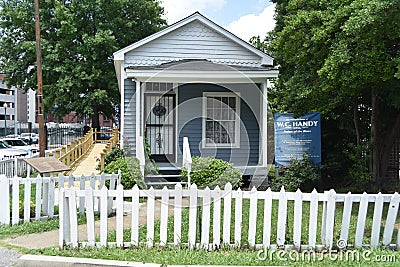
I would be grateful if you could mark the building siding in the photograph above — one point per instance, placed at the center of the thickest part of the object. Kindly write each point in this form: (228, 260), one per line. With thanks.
(7, 96)
(190, 122)
(195, 41)
(130, 116)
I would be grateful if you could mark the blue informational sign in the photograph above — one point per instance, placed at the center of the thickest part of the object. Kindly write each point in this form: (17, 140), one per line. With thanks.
(295, 136)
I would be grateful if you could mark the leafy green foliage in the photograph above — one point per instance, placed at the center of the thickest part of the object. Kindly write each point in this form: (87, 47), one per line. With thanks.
(130, 171)
(300, 174)
(341, 58)
(113, 155)
(359, 177)
(78, 40)
(212, 172)
(332, 51)
(21, 201)
(151, 167)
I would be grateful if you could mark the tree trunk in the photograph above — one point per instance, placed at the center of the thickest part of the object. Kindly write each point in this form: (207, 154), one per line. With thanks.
(356, 124)
(96, 121)
(374, 140)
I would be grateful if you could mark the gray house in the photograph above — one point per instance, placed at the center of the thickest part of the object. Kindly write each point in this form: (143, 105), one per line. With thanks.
(195, 79)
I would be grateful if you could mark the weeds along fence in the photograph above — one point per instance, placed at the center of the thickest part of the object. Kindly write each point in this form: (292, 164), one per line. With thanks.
(215, 218)
(37, 198)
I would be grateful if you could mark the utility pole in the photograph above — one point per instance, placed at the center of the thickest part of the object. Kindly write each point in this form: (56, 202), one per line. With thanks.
(40, 108)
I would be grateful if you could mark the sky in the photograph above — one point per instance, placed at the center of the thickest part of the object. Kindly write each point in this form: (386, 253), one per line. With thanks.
(244, 18)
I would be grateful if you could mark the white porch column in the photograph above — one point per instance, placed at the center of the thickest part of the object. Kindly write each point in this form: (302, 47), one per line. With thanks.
(264, 129)
(138, 112)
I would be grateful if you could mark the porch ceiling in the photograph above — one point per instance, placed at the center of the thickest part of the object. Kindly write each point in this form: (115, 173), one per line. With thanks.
(194, 70)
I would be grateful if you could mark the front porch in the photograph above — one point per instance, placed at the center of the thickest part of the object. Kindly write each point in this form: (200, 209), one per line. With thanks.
(224, 117)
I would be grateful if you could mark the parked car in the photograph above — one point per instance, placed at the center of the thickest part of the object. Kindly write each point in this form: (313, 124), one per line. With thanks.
(21, 144)
(33, 137)
(7, 152)
(106, 133)
(71, 131)
(13, 135)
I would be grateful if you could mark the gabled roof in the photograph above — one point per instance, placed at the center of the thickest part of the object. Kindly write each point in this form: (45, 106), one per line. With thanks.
(266, 59)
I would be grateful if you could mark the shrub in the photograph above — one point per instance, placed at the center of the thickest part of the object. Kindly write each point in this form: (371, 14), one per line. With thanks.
(130, 171)
(359, 177)
(113, 155)
(212, 172)
(300, 174)
(32, 210)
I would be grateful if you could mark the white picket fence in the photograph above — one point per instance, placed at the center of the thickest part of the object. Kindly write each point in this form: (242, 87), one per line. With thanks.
(222, 210)
(46, 195)
(17, 166)
(14, 167)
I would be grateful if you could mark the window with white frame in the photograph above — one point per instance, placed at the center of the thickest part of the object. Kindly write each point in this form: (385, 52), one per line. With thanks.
(221, 120)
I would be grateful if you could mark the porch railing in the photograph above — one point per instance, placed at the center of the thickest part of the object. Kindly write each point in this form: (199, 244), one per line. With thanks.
(113, 141)
(72, 153)
(76, 150)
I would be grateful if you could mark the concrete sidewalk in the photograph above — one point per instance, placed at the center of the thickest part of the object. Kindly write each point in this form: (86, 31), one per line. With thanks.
(54, 261)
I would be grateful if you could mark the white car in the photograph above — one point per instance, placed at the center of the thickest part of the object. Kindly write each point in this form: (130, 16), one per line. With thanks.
(21, 144)
(7, 152)
(33, 137)
(13, 135)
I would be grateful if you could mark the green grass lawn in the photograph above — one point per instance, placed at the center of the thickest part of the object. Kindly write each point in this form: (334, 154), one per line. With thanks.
(260, 222)
(32, 227)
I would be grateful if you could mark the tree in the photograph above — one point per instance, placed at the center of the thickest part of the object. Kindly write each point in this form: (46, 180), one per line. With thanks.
(78, 41)
(342, 58)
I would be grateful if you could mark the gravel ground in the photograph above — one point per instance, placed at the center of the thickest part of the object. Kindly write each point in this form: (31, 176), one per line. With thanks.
(8, 257)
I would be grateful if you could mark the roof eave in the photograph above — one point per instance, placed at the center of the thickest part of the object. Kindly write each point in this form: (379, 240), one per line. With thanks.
(201, 76)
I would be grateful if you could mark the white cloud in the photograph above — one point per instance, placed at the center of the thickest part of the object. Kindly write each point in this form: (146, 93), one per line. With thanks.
(178, 9)
(252, 25)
